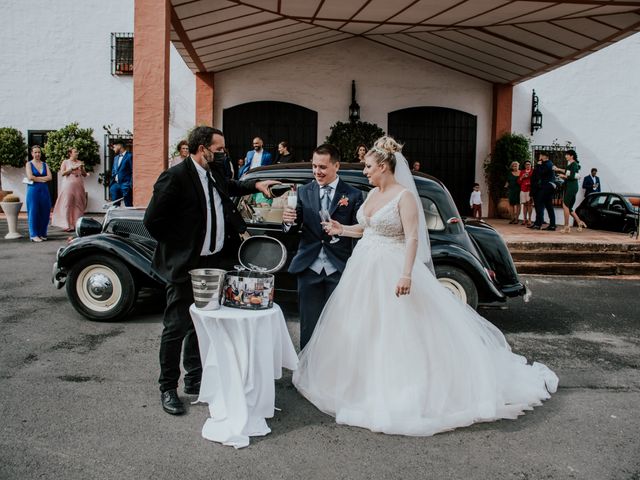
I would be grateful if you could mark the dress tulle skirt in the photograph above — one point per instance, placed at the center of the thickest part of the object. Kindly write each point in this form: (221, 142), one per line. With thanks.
(415, 365)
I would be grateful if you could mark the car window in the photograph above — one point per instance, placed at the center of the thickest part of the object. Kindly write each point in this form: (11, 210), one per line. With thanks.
(597, 201)
(432, 215)
(616, 202)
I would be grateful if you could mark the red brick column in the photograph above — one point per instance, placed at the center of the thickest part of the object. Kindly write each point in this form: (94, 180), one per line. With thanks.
(204, 98)
(150, 95)
(501, 119)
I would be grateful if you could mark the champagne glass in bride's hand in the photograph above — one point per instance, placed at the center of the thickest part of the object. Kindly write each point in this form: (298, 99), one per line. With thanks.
(325, 217)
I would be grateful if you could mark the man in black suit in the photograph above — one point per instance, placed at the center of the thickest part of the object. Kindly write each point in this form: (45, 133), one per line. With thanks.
(196, 225)
(318, 263)
(591, 183)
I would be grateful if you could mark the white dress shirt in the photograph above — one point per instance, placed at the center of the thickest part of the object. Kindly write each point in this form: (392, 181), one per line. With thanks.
(116, 164)
(475, 199)
(202, 174)
(323, 262)
(256, 161)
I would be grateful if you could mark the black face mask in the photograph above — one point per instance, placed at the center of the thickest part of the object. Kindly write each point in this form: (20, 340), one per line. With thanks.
(218, 161)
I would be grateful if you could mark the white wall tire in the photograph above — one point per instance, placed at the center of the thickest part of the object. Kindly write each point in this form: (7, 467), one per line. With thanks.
(458, 283)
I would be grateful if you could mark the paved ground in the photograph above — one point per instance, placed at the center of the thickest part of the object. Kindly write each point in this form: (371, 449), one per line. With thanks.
(79, 399)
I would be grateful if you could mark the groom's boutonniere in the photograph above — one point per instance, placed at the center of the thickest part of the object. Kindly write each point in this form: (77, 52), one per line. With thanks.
(344, 201)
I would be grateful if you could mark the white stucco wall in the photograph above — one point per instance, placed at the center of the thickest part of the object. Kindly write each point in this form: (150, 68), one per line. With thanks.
(386, 80)
(594, 103)
(57, 70)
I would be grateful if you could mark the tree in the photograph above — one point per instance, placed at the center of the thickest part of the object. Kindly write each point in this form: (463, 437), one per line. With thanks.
(13, 149)
(510, 147)
(347, 136)
(72, 136)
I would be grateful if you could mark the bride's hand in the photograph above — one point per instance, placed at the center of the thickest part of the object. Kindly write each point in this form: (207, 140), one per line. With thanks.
(403, 287)
(333, 227)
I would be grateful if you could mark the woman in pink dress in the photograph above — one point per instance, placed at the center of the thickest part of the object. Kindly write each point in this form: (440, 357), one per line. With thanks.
(72, 200)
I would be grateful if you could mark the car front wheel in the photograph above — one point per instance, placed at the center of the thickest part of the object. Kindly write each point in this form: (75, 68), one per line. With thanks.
(101, 288)
(459, 283)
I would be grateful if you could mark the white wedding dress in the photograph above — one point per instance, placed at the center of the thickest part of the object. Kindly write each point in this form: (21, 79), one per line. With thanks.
(419, 364)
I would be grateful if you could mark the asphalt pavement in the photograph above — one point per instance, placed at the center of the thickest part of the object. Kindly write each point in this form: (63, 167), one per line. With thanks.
(79, 399)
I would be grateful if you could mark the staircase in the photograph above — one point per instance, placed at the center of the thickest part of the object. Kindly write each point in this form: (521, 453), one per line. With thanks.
(594, 259)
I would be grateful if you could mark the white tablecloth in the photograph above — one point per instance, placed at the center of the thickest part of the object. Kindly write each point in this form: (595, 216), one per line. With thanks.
(242, 352)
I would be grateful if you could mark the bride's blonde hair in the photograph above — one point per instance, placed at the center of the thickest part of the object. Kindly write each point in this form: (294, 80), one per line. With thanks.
(383, 151)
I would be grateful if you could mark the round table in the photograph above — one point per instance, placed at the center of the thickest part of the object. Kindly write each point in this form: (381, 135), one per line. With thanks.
(242, 352)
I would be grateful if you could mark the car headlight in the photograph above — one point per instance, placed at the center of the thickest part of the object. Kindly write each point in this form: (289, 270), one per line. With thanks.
(87, 226)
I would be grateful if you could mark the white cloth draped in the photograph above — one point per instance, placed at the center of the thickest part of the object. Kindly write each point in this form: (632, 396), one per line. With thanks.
(242, 352)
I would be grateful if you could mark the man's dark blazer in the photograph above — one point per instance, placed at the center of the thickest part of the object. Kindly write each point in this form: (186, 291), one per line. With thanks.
(345, 205)
(588, 184)
(177, 218)
(124, 170)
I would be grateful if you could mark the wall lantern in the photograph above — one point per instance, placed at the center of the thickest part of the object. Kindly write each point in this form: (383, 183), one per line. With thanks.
(354, 108)
(536, 115)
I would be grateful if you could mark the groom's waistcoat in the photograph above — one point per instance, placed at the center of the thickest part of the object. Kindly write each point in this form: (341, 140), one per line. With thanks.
(344, 206)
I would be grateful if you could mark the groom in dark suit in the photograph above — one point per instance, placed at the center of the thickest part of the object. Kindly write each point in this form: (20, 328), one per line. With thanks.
(318, 263)
(196, 225)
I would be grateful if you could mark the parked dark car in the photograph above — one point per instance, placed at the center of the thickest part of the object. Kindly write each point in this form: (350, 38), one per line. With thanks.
(610, 211)
(107, 265)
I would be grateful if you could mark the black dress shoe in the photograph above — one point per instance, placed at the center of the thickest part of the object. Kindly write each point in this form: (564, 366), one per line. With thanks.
(171, 403)
(534, 227)
(551, 228)
(192, 389)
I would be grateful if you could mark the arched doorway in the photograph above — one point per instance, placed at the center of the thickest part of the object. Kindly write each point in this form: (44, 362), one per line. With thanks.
(443, 140)
(273, 122)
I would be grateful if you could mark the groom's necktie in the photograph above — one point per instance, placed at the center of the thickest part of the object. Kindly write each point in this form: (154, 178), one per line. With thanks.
(325, 201)
(212, 205)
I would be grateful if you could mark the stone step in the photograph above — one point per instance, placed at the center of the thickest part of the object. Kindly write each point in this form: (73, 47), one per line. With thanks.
(576, 268)
(627, 246)
(580, 256)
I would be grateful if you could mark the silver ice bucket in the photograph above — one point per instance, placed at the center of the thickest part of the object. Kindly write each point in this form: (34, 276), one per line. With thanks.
(207, 286)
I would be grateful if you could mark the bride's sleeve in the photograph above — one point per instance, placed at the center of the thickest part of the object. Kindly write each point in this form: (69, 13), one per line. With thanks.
(409, 218)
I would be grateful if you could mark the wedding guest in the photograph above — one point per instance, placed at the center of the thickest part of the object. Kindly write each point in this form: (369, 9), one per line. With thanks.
(72, 200)
(38, 199)
(195, 228)
(571, 190)
(591, 183)
(240, 164)
(416, 167)
(258, 157)
(544, 176)
(319, 263)
(513, 191)
(182, 153)
(284, 155)
(361, 151)
(524, 180)
(121, 174)
(475, 202)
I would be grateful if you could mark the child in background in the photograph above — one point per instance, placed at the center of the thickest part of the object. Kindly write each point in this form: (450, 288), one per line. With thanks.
(476, 202)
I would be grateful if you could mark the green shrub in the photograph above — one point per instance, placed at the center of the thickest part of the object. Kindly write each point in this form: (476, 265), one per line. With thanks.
(510, 147)
(11, 198)
(347, 136)
(72, 136)
(13, 149)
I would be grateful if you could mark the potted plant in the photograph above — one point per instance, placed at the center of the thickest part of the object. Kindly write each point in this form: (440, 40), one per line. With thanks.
(348, 135)
(510, 147)
(11, 205)
(72, 136)
(13, 152)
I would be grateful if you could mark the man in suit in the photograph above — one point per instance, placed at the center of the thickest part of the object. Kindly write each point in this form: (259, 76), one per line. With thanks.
(591, 184)
(258, 157)
(121, 174)
(544, 190)
(196, 225)
(318, 263)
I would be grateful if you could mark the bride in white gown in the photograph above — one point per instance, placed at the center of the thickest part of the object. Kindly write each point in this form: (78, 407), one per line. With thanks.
(394, 351)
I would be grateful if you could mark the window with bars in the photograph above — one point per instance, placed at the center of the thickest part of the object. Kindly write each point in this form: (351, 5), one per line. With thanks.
(122, 54)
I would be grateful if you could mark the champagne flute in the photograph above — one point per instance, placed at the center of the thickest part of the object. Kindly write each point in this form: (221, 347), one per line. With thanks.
(325, 216)
(292, 200)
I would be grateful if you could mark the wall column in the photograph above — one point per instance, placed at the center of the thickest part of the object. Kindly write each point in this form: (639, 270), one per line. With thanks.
(204, 98)
(500, 120)
(150, 95)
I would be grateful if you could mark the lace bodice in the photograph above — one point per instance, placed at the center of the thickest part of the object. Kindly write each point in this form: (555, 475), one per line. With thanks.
(384, 227)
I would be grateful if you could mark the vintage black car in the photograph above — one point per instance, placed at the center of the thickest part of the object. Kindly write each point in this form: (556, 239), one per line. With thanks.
(107, 265)
(610, 211)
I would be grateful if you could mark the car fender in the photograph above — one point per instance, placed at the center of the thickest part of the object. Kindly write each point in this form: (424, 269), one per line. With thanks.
(134, 254)
(451, 254)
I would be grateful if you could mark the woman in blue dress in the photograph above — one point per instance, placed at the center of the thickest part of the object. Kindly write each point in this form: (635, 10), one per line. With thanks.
(38, 199)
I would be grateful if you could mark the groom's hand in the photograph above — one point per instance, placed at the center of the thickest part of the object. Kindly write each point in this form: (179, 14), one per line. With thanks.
(289, 215)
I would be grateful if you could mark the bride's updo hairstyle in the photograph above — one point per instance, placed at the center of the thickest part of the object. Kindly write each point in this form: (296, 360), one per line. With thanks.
(383, 151)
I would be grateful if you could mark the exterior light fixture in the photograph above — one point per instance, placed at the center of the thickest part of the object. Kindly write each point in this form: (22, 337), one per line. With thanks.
(354, 108)
(536, 115)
